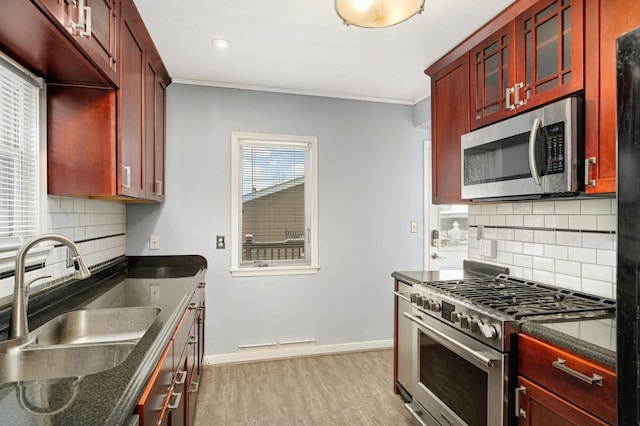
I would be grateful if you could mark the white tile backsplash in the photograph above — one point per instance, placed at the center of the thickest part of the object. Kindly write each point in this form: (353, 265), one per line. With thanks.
(98, 228)
(568, 243)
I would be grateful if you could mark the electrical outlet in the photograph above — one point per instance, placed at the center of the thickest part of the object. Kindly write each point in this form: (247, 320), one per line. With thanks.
(220, 242)
(488, 248)
(154, 242)
(154, 293)
(414, 226)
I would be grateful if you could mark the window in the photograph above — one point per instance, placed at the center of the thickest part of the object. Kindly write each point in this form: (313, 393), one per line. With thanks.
(21, 187)
(274, 204)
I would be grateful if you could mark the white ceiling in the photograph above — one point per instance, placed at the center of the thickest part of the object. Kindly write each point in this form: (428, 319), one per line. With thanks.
(301, 46)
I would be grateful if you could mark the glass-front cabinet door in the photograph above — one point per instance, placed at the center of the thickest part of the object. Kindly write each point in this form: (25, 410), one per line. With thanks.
(493, 70)
(550, 37)
(535, 59)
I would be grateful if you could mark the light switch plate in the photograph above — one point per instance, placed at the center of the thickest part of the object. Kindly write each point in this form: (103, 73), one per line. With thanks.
(488, 248)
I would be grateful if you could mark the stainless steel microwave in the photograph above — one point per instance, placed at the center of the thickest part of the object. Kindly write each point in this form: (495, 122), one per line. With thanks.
(535, 154)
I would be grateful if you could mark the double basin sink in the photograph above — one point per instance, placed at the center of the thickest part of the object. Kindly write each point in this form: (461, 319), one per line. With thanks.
(76, 343)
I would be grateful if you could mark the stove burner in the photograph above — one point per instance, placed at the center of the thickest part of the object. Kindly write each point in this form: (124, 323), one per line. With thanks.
(521, 298)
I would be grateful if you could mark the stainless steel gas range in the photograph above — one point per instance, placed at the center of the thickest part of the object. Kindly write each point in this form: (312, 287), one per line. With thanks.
(463, 335)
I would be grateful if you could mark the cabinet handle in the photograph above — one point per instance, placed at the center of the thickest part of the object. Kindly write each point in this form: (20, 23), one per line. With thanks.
(587, 167)
(193, 339)
(159, 187)
(192, 306)
(176, 403)
(507, 98)
(87, 25)
(80, 24)
(561, 365)
(194, 387)
(519, 411)
(516, 95)
(181, 380)
(201, 285)
(126, 176)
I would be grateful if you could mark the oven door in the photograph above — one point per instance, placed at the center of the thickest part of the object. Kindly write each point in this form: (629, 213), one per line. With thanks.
(457, 379)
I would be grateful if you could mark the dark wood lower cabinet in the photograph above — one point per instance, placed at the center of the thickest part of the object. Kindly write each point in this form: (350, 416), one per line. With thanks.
(171, 394)
(544, 408)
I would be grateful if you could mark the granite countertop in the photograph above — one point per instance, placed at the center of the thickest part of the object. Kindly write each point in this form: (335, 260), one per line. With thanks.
(109, 397)
(471, 269)
(592, 338)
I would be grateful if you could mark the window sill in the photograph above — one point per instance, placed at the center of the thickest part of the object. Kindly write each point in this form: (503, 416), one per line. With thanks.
(35, 256)
(274, 270)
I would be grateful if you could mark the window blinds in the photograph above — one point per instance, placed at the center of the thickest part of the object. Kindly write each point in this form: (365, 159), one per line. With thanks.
(274, 219)
(19, 129)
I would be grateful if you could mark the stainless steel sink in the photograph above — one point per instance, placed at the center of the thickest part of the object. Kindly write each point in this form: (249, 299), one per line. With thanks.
(75, 344)
(97, 326)
(50, 362)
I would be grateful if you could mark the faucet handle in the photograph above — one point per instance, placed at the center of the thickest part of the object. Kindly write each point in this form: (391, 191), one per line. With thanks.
(27, 291)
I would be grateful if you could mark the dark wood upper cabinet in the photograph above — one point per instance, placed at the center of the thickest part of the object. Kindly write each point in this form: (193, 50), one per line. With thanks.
(449, 122)
(93, 26)
(534, 59)
(605, 21)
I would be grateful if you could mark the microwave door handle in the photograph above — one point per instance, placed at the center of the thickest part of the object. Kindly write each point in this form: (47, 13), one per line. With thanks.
(532, 151)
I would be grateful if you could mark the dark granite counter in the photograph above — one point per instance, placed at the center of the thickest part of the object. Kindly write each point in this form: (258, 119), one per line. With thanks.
(592, 338)
(109, 397)
(471, 269)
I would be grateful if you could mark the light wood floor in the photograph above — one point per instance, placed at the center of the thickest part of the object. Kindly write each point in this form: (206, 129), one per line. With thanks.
(343, 389)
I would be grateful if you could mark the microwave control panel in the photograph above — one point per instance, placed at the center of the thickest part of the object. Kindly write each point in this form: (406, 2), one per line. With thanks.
(555, 148)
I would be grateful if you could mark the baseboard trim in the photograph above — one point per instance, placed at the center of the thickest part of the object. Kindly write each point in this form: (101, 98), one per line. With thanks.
(296, 352)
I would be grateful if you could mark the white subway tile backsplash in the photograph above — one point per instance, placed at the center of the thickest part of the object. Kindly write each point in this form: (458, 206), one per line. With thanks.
(544, 237)
(514, 220)
(568, 267)
(595, 206)
(583, 222)
(614, 206)
(573, 239)
(523, 235)
(568, 207)
(544, 264)
(489, 209)
(568, 243)
(534, 221)
(607, 223)
(533, 249)
(606, 257)
(523, 208)
(598, 241)
(556, 221)
(98, 227)
(475, 209)
(579, 254)
(556, 252)
(597, 272)
(504, 208)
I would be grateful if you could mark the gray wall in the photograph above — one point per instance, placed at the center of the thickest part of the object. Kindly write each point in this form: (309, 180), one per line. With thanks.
(370, 188)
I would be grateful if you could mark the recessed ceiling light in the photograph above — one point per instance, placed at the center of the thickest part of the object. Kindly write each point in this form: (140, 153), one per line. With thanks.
(221, 43)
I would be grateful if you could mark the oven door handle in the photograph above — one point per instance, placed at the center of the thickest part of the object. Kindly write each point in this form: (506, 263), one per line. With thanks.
(477, 355)
(401, 296)
(532, 151)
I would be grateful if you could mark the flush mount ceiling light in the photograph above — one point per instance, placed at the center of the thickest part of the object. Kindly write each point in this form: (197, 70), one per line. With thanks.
(221, 43)
(377, 13)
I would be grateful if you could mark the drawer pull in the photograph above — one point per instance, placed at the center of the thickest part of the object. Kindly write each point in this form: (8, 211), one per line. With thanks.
(519, 411)
(182, 378)
(194, 387)
(193, 340)
(192, 305)
(561, 365)
(176, 403)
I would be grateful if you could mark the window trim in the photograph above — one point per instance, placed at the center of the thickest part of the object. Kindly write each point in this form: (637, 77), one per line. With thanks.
(236, 206)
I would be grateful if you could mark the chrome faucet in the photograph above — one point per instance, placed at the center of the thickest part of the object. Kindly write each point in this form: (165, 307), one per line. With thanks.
(18, 326)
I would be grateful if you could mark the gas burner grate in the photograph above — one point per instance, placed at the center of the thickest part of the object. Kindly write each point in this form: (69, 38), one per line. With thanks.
(521, 298)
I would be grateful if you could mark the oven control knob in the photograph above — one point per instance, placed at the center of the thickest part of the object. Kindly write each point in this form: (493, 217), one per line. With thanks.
(412, 297)
(465, 321)
(426, 303)
(489, 331)
(434, 306)
(474, 325)
(418, 300)
(455, 316)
